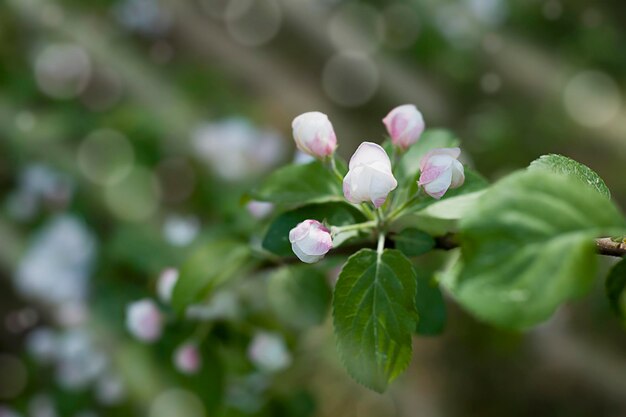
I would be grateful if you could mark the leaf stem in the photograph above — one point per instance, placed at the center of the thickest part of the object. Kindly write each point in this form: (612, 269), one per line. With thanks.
(381, 244)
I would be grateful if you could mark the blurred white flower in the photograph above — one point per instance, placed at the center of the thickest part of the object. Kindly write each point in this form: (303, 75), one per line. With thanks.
(110, 389)
(55, 269)
(42, 344)
(181, 230)
(259, 209)
(80, 361)
(38, 185)
(235, 149)
(144, 320)
(187, 358)
(143, 16)
(268, 352)
(166, 283)
(62, 70)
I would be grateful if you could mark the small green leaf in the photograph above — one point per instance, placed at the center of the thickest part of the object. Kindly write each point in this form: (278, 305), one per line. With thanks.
(374, 316)
(300, 184)
(413, 242)
(430, 305)
(207, 268)
(336, 214)
(615, 286)
(299, 295)
(563, 165)
(529, 245)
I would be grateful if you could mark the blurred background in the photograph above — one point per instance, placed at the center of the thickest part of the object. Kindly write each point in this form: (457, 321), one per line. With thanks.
(130, 129)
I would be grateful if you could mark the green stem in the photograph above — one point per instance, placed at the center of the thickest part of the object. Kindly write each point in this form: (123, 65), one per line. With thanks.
(398, 212)
(359, 226)
(333, 168)
(381, 245)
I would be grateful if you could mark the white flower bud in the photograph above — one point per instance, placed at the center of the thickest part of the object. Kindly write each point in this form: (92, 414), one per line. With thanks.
(310, 241)
(314, 134)
(440, 171)
(144, 320)
(187, 358)
(370, 177)
(405, 125)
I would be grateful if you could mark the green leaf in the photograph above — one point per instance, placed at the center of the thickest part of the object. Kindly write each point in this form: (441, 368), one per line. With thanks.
(431, 139)
(413, 242)
(299, 295)
(374, 316)
(300, 184)
(336, 214)
(563, 165)
(453, 208)
(430, 305)
(615, 286)
(207, 268)
(529, 245)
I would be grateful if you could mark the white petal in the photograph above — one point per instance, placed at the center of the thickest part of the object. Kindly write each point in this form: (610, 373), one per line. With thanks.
(439, 186)
(369, 153)
(458, 174)
(309, 259)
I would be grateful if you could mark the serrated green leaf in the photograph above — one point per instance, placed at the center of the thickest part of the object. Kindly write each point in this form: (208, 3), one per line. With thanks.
(413, 242)
(299, 185)
(529, 245)
(615, 289)
(374, 316)
(299, 295)
(563, 165)
(276, 239)
(430, 305)
(207, 268)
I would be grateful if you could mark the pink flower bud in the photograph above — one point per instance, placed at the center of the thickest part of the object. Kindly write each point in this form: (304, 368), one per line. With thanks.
(370, 177)
(144, 320)
(314, 134)
(440, 170)
(187, 358)
(405, 125)
(310, 241)
(166, 283)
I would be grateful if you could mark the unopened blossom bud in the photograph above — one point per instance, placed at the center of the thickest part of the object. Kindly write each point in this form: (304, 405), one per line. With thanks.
(166, 283)
(314, 134)
(405, 125)
(310, 241)
(370, 177)
(144, 320)
(440, 171)
(187, 358)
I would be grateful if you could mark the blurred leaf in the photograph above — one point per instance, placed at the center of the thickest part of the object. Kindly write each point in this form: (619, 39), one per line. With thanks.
(413, 242)
(529, 246)
(374, 315)
(430, 305)
(210, 378)
(206, 268)
(563, 165)
(453, 208)
(615, 285)
(336, 214)
(300, 184)
(299, 295)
